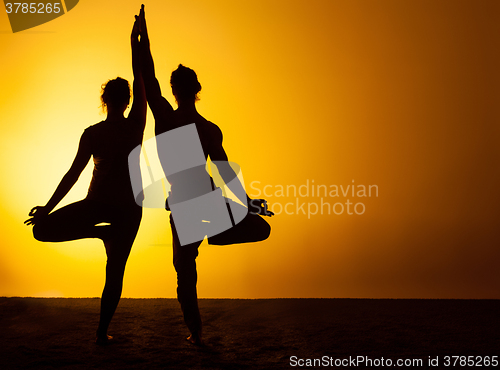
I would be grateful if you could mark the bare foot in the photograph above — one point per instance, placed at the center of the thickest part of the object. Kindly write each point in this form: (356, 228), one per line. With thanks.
(195, 339)
(103, 341)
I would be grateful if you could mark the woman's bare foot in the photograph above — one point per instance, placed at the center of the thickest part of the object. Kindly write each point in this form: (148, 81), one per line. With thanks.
(103, 341)
(195, 339)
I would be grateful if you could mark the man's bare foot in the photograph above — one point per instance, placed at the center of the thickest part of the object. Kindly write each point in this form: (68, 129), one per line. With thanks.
(103, 341)
(195, 339)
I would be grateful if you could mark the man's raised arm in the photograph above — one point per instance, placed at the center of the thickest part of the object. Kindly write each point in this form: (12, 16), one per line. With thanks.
(159, 105)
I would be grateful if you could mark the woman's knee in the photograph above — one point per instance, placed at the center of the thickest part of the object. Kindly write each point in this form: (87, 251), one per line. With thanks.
(115, 265)
(40, 232)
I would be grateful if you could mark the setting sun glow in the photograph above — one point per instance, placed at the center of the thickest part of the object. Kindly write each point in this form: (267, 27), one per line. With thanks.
(389, 104)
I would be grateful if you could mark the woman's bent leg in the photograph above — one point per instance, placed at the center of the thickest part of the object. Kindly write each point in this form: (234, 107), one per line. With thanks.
(72, 222)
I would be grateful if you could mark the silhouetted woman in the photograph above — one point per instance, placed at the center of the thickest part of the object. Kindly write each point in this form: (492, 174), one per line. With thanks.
(110, 198)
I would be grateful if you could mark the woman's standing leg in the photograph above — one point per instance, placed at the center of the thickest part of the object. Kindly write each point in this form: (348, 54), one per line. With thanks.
(124, 227)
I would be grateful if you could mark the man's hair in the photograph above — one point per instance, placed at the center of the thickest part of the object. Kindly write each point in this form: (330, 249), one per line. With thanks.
(185, 83)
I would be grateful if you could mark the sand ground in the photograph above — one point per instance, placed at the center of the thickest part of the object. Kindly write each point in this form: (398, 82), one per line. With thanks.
(244, 334)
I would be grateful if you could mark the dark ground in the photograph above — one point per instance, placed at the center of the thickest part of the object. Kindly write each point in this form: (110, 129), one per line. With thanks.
(244, 334)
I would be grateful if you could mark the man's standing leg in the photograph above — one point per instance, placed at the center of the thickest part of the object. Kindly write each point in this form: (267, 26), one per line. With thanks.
(185, 266)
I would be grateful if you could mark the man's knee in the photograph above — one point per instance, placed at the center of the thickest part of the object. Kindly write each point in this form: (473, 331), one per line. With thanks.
(264, 231)
(185, 258)
(185, 267)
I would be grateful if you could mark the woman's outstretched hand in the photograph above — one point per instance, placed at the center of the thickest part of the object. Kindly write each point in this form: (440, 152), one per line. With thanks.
(136, 31)
(36, 214)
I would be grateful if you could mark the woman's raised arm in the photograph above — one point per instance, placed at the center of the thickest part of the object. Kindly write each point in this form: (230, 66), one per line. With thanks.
(139, 105)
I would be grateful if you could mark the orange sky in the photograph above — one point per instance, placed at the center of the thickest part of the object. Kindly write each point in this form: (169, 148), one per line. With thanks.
(401, 95)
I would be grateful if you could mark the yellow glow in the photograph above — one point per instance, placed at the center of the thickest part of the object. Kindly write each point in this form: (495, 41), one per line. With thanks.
(403, 95)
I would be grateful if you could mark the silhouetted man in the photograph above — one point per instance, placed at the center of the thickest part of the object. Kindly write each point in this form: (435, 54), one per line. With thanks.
(195, 182)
